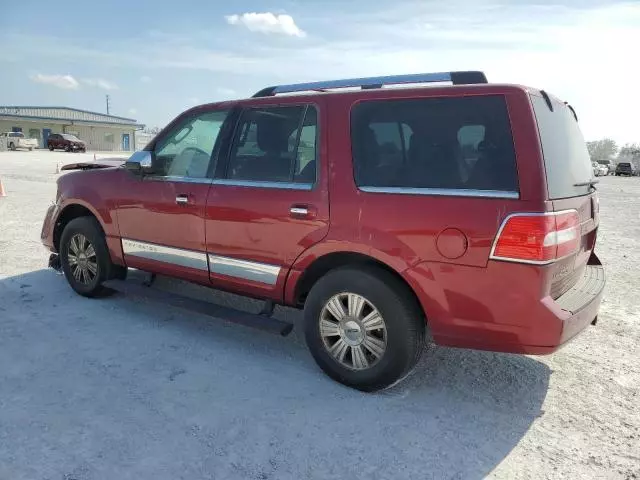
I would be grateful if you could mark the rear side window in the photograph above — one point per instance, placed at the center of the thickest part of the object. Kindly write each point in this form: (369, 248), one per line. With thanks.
(566, 157)
(450, 144)
(275, 144)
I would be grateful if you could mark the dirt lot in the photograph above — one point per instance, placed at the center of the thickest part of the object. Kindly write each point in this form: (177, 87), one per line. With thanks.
(112, 388)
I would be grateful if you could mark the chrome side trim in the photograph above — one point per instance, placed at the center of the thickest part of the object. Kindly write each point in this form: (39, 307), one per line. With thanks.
(174, 178)
(259, 184)
(160, 253)
(451, 192)
(254, 271)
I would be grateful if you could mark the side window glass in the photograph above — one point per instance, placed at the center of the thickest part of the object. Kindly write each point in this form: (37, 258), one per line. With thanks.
(186, 151)
(275, 144)
(461, 143)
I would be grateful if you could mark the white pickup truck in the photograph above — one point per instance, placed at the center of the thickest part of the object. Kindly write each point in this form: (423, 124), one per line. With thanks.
(15, 140)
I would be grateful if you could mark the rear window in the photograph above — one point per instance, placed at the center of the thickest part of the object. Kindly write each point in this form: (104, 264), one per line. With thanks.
(566, 157)
(451, 146)
(624, 165)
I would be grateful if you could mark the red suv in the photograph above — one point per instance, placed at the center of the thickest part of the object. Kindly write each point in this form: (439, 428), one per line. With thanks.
(465, 210)
(66, 142)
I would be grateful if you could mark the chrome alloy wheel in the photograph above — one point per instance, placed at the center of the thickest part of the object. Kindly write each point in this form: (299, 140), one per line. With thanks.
(83, 263)
(353, 331)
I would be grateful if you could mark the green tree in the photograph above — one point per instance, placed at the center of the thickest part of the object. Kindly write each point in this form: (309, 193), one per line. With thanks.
(604, 149)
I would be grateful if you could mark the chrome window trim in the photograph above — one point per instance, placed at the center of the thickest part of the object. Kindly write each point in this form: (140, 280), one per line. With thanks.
(175, 178)
(243, 269)
(492, 255)
(260, 184)
(161, 253)
(450, 192)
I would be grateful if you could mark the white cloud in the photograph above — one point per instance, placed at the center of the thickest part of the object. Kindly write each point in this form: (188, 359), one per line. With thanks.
(145, 79)
(99, 83)
(66, 82)
(267, 23)
(132, 111)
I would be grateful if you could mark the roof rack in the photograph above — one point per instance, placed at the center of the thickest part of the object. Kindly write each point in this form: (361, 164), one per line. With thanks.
(457, 78)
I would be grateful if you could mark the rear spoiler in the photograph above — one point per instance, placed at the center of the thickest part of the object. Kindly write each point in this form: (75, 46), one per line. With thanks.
(101, 163)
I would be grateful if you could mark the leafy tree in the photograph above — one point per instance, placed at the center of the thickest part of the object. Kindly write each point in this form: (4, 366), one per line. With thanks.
(604, 149)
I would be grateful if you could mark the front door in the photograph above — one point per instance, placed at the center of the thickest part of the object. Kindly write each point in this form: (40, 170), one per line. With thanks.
(125, 142)
(161, 215)
(269, 202)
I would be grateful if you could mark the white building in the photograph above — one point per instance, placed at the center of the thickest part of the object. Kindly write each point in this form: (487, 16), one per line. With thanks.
(99, 131)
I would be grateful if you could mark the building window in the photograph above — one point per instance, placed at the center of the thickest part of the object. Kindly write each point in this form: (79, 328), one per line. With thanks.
(109, 138)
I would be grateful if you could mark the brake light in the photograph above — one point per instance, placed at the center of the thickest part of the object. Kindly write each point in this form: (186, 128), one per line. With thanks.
(537, 237)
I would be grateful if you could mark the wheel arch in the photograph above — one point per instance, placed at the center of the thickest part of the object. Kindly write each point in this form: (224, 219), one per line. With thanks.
(68, 213)
(320, 266)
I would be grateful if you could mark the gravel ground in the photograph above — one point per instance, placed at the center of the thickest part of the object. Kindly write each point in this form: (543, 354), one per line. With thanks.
(112, 388)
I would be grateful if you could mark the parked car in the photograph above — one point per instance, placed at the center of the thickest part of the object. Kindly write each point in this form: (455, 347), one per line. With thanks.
(66, 142)
(16, 140)
(599, 169)
(626, 169)
(377, 230)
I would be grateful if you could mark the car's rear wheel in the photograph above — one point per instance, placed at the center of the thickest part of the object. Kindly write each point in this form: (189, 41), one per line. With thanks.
(12, 147)
(363, 327)
(51, 148)
(85, 258)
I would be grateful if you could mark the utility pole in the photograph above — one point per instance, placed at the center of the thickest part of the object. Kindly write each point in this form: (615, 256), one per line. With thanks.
(108, 105)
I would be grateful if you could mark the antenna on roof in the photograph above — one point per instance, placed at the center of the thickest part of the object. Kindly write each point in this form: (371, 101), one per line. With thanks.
(108, 103)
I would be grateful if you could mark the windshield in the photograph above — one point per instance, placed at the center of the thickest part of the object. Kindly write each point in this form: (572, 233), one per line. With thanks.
(66, 136)
(16, 134)
(566, 157)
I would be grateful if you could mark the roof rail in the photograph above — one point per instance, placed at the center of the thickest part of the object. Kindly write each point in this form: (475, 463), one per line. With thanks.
(457, 78)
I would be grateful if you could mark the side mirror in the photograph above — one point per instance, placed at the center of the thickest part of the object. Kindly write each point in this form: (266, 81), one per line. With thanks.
(139, 162)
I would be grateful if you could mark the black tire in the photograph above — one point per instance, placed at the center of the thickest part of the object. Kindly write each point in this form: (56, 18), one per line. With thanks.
(12, 147)
(403, 317)
(51, 148)
(67, 148)
(91, 230)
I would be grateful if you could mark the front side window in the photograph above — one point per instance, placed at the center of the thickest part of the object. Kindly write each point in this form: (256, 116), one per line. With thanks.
(187, 149)
(275, 144)
(461, 143)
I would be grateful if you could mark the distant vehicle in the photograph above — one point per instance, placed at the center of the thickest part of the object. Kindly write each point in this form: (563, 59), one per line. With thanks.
(609, 167)
(625, 168)
(17, 140)
(356, 207)
(66, 142)
(599, 170)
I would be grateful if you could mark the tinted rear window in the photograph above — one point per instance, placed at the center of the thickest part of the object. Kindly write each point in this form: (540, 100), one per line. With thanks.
(461, 143)
(566, 157)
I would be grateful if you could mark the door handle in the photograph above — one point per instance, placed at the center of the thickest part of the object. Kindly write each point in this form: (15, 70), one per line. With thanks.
(302, 211)
(182, 199)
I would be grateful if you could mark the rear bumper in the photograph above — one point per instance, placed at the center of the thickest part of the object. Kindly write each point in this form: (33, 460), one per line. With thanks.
(499, 308)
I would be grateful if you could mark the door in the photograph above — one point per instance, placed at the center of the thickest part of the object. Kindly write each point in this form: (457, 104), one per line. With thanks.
(269, 201)
(125, 142)
(161, 215)
(16, 129)
(45, 136)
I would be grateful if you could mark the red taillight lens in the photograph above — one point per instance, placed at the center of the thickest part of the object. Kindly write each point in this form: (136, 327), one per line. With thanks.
(538, 238)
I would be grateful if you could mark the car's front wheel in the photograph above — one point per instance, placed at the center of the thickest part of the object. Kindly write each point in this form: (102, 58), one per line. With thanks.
(363, 327)
(12, 147)
(85, 258)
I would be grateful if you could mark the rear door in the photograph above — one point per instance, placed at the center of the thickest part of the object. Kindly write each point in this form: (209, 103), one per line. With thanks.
(269, 201)
(569, 182)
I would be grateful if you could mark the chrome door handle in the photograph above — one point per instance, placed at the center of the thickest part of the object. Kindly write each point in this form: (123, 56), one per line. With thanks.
(182, 199)
(299, 211)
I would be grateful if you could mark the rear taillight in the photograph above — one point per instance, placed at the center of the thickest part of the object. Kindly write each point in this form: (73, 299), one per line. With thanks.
(537, 237)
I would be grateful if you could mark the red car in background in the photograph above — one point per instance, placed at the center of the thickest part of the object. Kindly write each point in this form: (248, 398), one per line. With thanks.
(465, 210)
(66, 142)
